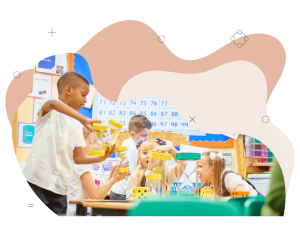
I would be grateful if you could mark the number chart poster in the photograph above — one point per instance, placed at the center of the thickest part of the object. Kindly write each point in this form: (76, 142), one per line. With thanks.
(161, 114)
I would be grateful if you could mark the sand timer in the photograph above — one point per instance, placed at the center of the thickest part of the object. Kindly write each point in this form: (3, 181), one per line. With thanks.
(113, 131)
(186, 163)
(97, 145)
(121, 153)
(156, 174)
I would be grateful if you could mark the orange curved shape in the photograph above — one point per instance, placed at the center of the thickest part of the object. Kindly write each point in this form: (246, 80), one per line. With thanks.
(213, 144)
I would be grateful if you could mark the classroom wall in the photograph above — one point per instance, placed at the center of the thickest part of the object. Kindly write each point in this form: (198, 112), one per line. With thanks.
(25, 114)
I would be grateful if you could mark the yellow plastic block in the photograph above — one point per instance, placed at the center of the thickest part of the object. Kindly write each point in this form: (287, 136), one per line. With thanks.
(140, 192)
(123, 170)
(160, 156)
(204, 192)
(99, 153)
(153, 177)
(235, 194)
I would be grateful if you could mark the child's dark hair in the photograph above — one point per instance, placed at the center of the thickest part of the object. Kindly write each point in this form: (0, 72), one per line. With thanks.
(70, 78)
(139, 122)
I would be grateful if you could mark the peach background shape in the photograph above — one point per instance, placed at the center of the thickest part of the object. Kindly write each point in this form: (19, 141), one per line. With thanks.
(129, 48)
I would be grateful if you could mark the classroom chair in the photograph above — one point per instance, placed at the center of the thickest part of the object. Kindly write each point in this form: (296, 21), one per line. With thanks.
(239, 201)
(184, 206)
(252, 206)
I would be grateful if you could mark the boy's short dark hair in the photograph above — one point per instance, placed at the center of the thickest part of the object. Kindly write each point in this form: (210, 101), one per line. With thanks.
(139, 122)
(70, 78)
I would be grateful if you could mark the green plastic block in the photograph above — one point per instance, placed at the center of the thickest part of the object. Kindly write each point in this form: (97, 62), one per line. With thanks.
(188, 156)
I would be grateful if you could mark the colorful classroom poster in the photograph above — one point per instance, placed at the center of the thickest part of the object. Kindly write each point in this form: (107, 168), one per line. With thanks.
(233, 136)
(228, 161)
(56, 64)
(42, 86)
(36, 105)
(25, 134)
(90, 97)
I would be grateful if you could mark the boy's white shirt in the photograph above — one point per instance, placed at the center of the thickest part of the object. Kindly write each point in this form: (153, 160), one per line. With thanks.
(76, 191)
(171, 178)
(50, 163)
(132, 152)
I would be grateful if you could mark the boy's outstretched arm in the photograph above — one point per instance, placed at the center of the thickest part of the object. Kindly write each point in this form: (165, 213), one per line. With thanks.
(80, 158)
(65, 109)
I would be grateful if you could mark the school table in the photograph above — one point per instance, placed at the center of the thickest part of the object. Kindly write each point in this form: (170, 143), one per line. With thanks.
(102, 207)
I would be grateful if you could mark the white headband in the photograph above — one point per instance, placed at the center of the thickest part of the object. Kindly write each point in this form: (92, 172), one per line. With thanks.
(213, 155)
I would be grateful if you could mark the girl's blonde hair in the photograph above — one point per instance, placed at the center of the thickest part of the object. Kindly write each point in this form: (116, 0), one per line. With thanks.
(139, 171)
(218, 165)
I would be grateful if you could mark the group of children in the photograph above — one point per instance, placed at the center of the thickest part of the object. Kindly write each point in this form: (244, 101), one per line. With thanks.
(63, 137)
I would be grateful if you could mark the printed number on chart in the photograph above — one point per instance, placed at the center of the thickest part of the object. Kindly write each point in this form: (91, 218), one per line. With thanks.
(132, 113)
(174, 124)
(153, 124)
(143, 103)
(143, 113)
(101, 102)
(112, 103)
(163, 114)
(163, 123)
(112, 112)
(101, 112)
(184, 124)
(164, 103)
(153, 113)
(174, 114)
(122, 113)
(123, 103)
(153, 103)
(132, 102)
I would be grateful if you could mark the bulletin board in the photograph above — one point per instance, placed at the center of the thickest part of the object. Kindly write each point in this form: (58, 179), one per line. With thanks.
(56, 64)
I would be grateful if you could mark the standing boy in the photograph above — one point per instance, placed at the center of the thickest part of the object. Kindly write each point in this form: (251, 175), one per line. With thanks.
(139, 129)
(58, 142)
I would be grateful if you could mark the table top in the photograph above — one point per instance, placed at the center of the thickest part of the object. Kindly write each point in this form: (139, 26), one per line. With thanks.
(107, 204)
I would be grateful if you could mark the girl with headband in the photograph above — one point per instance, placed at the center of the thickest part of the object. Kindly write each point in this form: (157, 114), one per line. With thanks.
(211, 171)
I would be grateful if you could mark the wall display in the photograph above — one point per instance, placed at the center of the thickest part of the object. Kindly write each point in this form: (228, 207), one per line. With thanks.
(25, 134)
(56, 64)
(41, 86)
(36, 105)
(233, 136)
(228, 161)
(161, 114)
(90, 97)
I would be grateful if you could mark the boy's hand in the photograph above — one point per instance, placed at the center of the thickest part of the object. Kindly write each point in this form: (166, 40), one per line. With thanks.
(88, 123)
(110, 150)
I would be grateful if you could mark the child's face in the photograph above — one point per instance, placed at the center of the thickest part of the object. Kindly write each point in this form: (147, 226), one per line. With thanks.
(77, 96)
(88, 141)
(141, 135)
(204, 170)
(145, 159)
